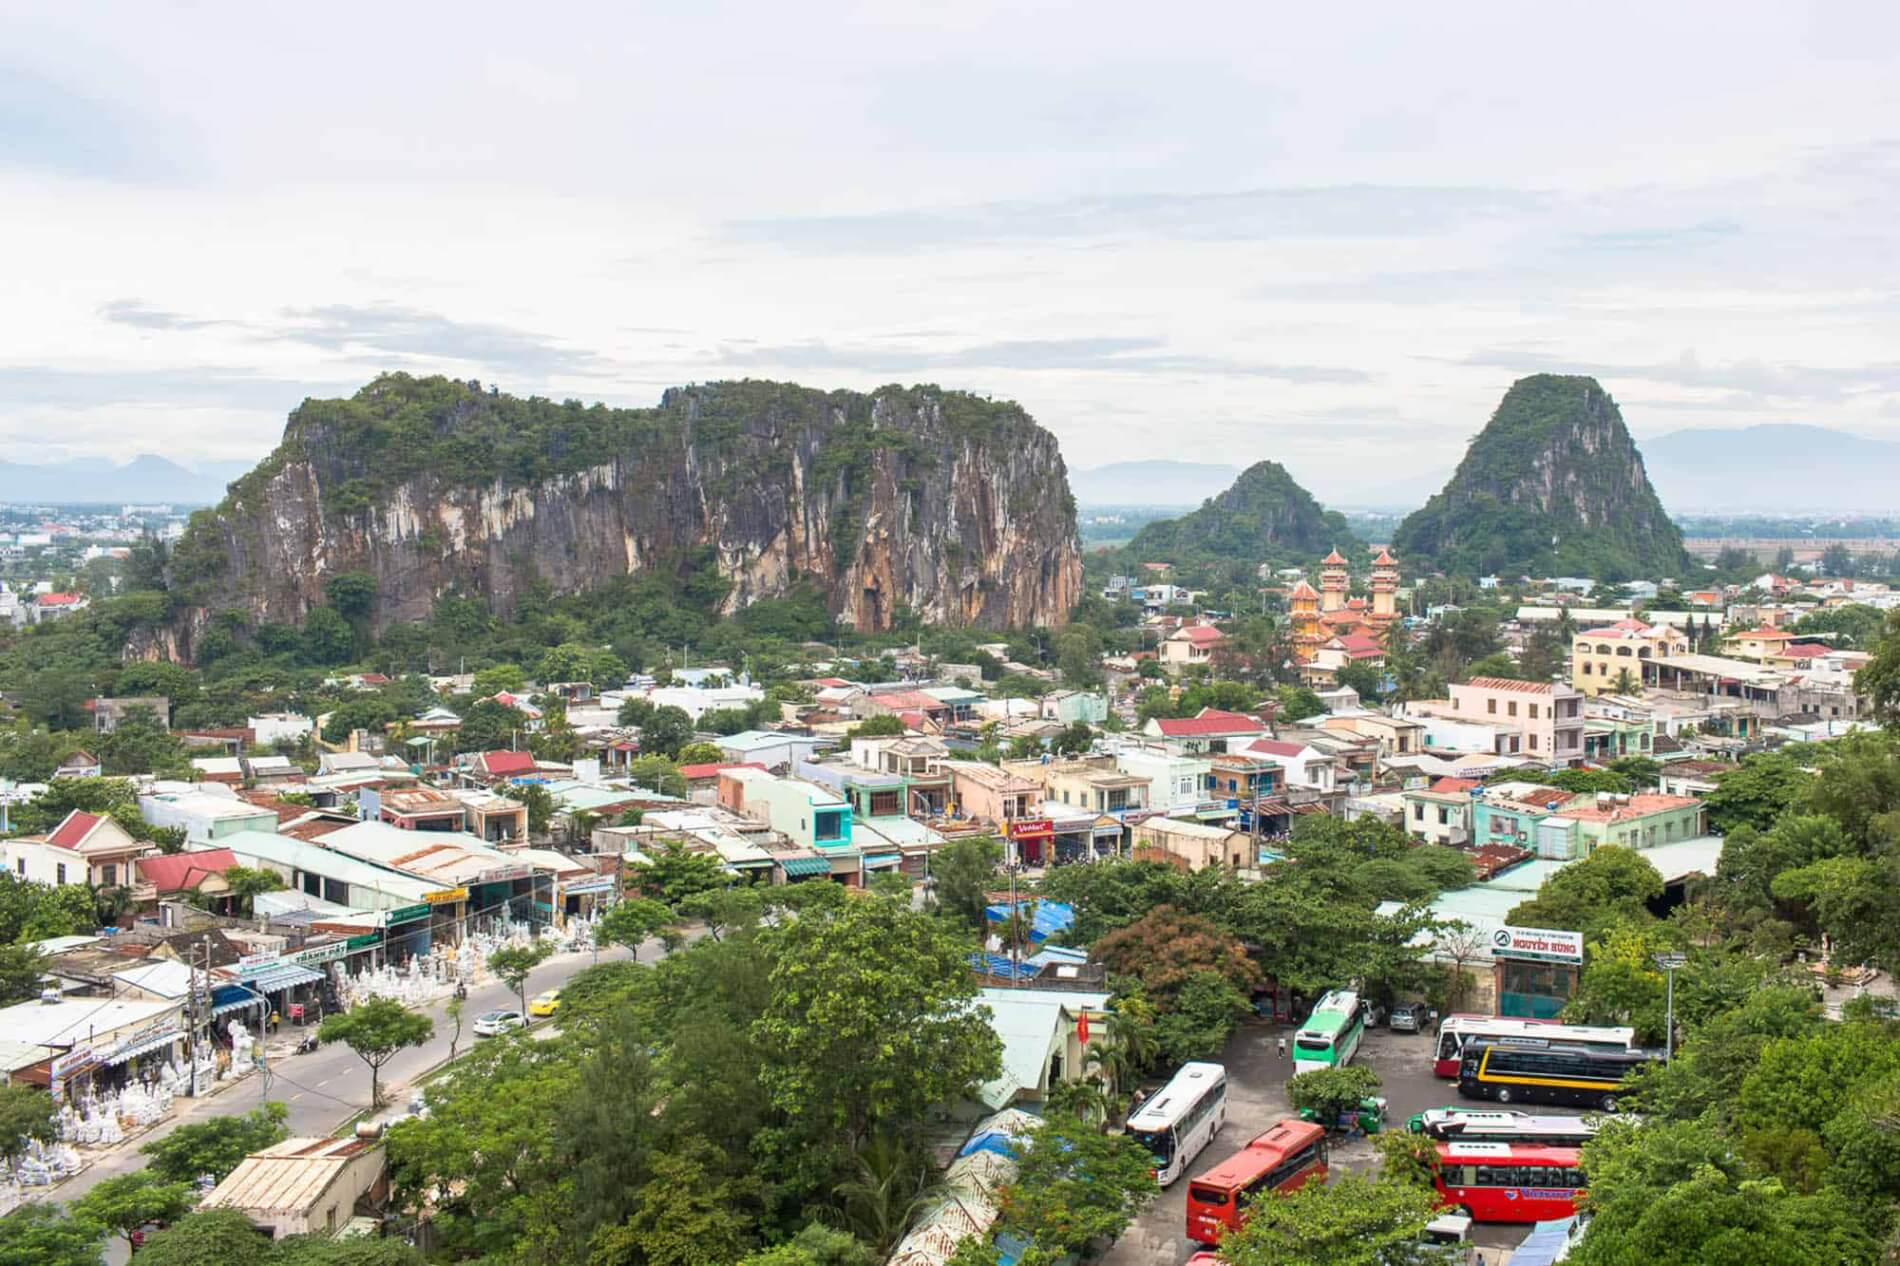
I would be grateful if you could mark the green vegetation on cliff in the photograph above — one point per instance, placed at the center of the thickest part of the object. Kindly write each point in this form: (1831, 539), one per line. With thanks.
(1264, 517)
(1553, 485)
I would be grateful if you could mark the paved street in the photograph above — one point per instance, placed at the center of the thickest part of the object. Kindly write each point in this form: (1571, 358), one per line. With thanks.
(1256, 1098)
(327, 1087)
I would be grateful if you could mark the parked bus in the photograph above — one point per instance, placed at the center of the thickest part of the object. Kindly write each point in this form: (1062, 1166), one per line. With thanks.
(1508, 1182)
(1331, 1034)
(1479, 1125)
(1284, 1158)
(1182, 1118)
(1553, 1072)
(1454, 1031)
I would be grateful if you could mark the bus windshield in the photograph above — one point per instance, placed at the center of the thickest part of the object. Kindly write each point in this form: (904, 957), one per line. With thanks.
(1313, 1042)
(1160, 1144)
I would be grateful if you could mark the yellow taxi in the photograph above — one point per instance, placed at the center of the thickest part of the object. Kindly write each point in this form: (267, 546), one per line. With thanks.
(545, 1003)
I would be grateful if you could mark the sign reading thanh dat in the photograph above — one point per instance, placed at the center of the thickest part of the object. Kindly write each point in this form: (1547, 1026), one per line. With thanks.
(1544, 945)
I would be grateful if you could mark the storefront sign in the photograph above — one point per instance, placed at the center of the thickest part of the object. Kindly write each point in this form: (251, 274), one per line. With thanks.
(504, 875)
(65, 1067)
(406, 914)
(319, 954)
(446, 896)
(1032, 829)
(365, 940)
(257, 960)
(1542, 945)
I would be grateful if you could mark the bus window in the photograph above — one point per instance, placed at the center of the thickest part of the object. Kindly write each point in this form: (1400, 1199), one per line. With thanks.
(1208, 1195)
(1160, 1144)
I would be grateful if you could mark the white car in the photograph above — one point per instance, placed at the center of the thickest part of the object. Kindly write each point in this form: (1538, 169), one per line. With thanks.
(495, 1023)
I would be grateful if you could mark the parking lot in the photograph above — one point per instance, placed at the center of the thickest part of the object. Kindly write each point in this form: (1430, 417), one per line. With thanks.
(1256, 1098)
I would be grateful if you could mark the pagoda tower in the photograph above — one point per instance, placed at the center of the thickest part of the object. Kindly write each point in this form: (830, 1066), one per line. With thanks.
(1303, 620)
(1385, 587)
(1334, 577)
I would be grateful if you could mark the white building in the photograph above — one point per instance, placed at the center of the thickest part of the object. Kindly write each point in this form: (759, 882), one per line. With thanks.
(280, 727)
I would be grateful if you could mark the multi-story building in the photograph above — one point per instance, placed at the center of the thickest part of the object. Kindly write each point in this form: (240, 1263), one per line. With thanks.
(1635, 821)
(1177, 781)
(806, 813)
(84, 848)
(1190, 646)
(1548, 717)
(1209, 730)
(1441, 813)
(1609, 660)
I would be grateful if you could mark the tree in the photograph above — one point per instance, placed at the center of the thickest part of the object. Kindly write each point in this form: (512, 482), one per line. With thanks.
(1332, 1093)
(963, 871)
(1364, 679)
(247, 882)
(540, 802)
(666, 731)
(673, 875)
(1611, 885)
(1167, 948)
(21, 969)
(687, 1214)
(869, 1020)
(659, 774)
(1075, 740)
(126, 1202)
(453, 1011)
(41, 1235)
(816, 1245)
(221, 1236)
(1757, 793)
(377, 1030)
(1350, 1220)
(701, 754)
(513, 964)
(489, 726)
(213, 1148)
(26, 1116)
(498, 679)
(1079, 656)
(320, 1250)
(1075, 1186)
(373, 713)
(327, 639)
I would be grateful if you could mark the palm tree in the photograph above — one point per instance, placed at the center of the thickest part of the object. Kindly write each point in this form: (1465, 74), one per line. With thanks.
(892, 1181)
(1625, 683)
(1085, 1099)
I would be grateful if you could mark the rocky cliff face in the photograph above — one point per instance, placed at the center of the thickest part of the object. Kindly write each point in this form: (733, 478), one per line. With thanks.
(949, 505)
(1552, 485)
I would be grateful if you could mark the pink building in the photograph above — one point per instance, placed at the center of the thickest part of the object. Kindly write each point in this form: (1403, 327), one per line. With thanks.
(1547, 716)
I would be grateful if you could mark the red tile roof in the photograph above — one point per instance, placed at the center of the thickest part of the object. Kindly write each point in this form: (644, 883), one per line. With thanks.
(1210, 721)
(72, 832)
(1201, 633)
(1385, 559)
(1302, 590)
(1451, 786)
(1333, 560)
(1511, 683)
(1275, 747)
(508, 763)
(180, 871)
(1638, 806)
(1805, 650)
(909, 699)
(1765, 632)
(1360, 646)
(58, 599)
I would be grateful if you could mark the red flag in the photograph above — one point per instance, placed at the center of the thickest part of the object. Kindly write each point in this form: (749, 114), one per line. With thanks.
(1082, 1029)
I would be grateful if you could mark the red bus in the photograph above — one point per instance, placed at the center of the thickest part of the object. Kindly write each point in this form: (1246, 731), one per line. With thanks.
(1282, 1159)
(1508, 1182)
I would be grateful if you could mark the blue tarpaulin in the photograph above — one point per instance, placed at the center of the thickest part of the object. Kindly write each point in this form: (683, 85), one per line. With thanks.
(1046, 918)
(1000, 965)
(1544, 1244)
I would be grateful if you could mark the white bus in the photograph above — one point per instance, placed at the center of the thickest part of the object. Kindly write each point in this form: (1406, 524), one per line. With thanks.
(1182, 1118)
(1480, 1125)
(1455, 1031)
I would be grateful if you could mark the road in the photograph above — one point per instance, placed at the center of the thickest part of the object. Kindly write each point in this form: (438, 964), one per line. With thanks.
(1256, 1098)
(330, 1085)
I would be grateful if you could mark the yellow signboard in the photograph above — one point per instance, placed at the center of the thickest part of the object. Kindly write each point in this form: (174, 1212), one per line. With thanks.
(446, 896)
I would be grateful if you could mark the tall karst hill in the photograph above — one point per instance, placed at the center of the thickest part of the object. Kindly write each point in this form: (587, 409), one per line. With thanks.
(949, 505)
(1553, 485)
(1264, 516)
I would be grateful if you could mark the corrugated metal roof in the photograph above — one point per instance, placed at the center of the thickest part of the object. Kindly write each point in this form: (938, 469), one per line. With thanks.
(287, 1178)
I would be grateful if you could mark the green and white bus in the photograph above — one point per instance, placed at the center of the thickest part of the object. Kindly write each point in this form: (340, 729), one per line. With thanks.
(1331, 1034)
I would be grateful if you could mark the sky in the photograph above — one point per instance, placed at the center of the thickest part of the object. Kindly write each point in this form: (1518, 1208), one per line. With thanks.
(1328, 235)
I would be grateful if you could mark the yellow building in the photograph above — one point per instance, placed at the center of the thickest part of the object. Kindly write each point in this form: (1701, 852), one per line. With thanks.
(1600, 657)
(1385, 587)
(1335, 577)
(1303, 620)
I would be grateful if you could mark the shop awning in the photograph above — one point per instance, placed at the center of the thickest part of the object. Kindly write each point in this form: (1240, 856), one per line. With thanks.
(883, 861)
(800, 867)
(228, 998)
(590, 886)
(281, 976)
(132, 1050)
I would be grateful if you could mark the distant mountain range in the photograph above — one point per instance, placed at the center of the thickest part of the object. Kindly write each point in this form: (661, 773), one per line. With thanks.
(145, 479)
(1155, 483)
(1776, 467)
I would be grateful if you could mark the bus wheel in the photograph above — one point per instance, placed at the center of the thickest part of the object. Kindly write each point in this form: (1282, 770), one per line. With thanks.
(1609, 1103)
(1504, 1094)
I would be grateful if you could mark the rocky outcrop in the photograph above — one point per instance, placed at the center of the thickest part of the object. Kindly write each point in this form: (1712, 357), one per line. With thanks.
(951, 506)
(1553, 485)
(1265, 516)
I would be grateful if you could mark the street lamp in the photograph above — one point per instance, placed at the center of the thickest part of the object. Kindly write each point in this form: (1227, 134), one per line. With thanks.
(1670, 963)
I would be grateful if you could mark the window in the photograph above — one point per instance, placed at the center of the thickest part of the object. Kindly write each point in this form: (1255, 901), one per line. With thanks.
(1510, 709)
(1586, 668)
(108, 876)
(1491, 706)
(59, 872)
(1533, 712)
(1444, 815)
(1533, 742)
(22, 865)
(1418, 812)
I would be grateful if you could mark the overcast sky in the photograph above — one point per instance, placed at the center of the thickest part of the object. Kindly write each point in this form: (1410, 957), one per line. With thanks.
(1331, 235)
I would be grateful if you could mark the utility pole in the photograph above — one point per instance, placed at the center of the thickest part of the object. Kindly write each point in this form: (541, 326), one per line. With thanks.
(1669, 963)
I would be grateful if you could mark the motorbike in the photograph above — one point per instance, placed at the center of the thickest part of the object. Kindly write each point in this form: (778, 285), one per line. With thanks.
(308, 1045)
(461, 989)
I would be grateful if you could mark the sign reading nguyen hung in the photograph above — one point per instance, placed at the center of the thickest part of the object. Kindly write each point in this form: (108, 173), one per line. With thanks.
(1543, 945)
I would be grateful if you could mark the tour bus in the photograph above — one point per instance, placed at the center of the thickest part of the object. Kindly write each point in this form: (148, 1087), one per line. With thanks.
(1551, 1072)
(1182, 1118)
(1457, 1030)
(1284, 1158)
(1331, 1034)
(1508, 1182)
(1480, 1125)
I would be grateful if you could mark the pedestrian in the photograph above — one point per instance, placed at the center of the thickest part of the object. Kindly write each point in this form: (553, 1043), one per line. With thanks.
(1282, 1045)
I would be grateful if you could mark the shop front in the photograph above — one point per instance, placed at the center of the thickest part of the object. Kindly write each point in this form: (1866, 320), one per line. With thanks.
(580, 900)
(1536, 970)
(136, 1058)
(406, 932)
(448, 911)
(1031, 839)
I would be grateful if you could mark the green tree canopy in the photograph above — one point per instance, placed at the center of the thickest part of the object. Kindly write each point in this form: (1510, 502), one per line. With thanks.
(377, 1031)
